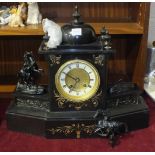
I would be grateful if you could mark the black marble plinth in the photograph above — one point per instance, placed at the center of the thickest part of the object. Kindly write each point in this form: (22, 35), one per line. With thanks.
(72, 124)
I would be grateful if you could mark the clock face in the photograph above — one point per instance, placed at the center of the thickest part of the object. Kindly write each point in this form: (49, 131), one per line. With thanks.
(77, 80)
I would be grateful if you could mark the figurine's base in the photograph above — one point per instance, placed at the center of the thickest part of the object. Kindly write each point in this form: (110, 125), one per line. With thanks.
(73, 124)
(32, 90)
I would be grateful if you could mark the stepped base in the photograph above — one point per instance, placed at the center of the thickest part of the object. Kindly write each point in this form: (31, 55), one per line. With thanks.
(73, 124)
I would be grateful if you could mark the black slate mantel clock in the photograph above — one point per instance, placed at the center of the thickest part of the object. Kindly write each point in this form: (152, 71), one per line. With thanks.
(78, 76)
(78, 101)
(78, 67)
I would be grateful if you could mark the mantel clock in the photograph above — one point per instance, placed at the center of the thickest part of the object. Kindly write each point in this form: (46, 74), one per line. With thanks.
(78, 67)
(78, 101)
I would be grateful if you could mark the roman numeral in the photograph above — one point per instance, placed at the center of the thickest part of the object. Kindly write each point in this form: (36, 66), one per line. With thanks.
(89, 86)
(64, 73)
(69, 67)
(64, 86)
(91, 79)
(77, 65)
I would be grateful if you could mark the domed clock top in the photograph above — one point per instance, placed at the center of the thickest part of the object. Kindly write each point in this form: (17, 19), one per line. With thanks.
(77, 32)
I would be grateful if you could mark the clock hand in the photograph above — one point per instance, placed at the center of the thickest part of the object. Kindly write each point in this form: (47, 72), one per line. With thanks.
(75, 84)
(76, 81)
(70, 76)
(72, 87)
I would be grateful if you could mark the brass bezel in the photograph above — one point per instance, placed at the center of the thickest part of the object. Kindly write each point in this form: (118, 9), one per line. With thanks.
(76, 98)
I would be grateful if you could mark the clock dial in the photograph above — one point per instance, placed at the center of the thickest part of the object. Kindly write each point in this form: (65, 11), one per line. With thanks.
(77, 80)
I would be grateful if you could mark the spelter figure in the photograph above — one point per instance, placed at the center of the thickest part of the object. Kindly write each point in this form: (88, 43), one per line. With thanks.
(28, 76)
(110, 129)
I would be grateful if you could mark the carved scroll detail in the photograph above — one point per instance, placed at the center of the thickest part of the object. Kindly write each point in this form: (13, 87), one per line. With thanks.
(73, 128)
(54, 59)
(99, 60)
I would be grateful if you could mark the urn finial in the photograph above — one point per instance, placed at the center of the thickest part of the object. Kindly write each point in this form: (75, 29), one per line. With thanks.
(76, 15)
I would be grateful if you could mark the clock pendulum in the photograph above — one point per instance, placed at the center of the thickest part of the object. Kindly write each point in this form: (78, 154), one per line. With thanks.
(78, 101)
